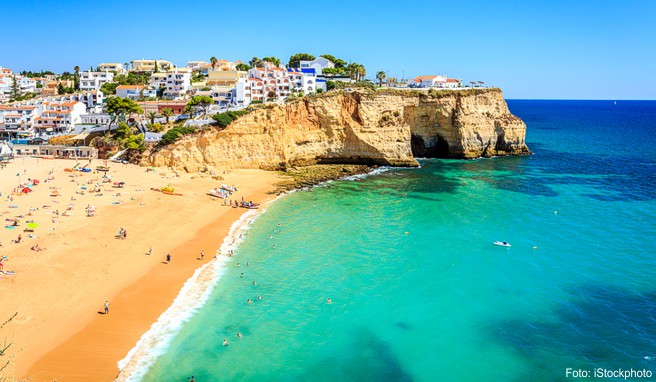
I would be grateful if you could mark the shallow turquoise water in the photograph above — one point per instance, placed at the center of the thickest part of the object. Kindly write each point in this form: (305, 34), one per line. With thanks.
(441, 302)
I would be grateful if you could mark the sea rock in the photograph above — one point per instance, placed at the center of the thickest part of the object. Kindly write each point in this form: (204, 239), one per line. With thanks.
(388, 127)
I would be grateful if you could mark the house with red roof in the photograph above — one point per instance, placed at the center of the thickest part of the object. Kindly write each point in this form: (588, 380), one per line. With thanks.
(437, 81)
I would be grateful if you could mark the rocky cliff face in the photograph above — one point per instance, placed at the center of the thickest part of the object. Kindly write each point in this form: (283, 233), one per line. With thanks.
(384, 128)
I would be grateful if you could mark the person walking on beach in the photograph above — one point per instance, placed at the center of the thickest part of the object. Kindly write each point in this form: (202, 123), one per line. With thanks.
(202, 254)
(106, 307)
(150, 250)
(168, 258)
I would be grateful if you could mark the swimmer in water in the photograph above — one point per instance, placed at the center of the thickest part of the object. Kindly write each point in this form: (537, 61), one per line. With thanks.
(225, 342)
(254, 283)
(249, 301)
(259, 297)
(278, 224)
(242, 275)
(239, 265)
(247, 263)
(329, 301)
(271, 237)
(274, 246)
(239, 335)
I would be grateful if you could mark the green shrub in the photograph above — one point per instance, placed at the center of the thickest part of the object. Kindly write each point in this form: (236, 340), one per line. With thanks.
(224, 119)
(155, 127)
(174, 134)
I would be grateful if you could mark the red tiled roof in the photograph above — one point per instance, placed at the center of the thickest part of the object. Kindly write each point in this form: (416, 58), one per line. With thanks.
(420, 78)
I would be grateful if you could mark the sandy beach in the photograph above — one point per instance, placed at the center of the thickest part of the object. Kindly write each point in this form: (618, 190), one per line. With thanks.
(60, 331)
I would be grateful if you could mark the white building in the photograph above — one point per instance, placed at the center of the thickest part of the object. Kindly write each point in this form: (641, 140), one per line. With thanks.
(317, 64)
(151, 65)
(112, 67)
(178, 83)
(6, 81)
(58, 117)
(222, 95)
(95, 119)
(306, 80)
(94, 80)
(437, 81)
(26, 84)
(135, 92)
(16, 120)
(158, 80)
(249, 90)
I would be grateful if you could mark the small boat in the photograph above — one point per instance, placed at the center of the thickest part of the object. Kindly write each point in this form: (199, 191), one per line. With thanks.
(102, 168)
(502, 243)
(217, 193)
(228, 188)
(250, 206)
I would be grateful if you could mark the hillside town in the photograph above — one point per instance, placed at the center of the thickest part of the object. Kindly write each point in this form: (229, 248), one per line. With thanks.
(37, 107)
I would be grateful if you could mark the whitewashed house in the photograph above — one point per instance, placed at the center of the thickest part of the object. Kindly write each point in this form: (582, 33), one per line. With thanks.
(26, 84)
(58, 117)
(94, 80)
(135, 92)
(95, 119)
(306, 80)
(318, 64)
(112, 67)
(151, 65)
(178, 83)
(158, 80)
(437, 81)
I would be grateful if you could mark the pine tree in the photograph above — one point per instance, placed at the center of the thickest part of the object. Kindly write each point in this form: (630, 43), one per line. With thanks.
(15, 93)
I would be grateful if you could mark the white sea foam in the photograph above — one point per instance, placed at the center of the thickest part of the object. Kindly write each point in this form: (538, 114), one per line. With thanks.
(377, 171)
(192, 297)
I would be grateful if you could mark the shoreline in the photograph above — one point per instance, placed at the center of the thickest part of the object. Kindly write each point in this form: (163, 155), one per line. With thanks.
(93, 352)
(60, 330)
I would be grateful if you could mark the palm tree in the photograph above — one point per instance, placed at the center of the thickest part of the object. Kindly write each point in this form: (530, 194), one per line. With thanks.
(127, 65)
(361, 72)
(353, 69)
(213, 60)
(167, 112)
(151, 115)
(76, 82)
(380, 76)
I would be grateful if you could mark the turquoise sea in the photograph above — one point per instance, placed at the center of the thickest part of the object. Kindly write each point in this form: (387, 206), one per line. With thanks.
(418, 291)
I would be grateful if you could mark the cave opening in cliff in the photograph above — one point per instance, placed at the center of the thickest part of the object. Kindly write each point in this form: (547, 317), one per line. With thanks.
(419, 148)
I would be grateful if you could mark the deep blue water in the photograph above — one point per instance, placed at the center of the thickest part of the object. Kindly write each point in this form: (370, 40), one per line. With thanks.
(418, 291)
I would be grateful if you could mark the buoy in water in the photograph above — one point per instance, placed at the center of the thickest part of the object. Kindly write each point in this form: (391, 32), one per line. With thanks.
(406, 233)
(534, 248)
(555, 212)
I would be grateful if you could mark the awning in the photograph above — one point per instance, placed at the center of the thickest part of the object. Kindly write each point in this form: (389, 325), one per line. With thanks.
(79, 137)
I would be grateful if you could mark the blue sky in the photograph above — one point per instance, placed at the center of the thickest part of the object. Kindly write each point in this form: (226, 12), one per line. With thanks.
(575, 49)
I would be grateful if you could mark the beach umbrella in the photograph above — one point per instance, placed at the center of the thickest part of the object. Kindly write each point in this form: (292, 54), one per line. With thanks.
(32, 225)
(26, 190)
(35, 181)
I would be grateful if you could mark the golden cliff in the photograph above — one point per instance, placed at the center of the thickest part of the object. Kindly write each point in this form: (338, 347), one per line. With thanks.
(388, 127)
